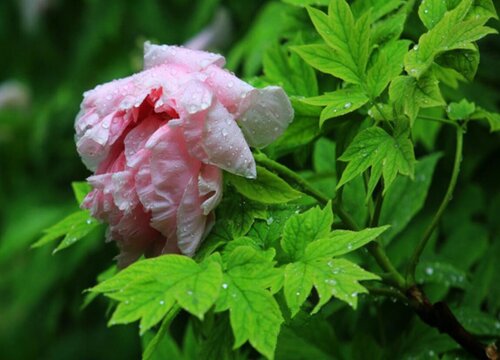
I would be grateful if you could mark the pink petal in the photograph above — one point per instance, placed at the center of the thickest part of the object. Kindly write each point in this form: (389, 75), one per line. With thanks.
(210, 187)
(230, 90)
(225, 145)
(265, 115)
(155, 55)
(190, 220)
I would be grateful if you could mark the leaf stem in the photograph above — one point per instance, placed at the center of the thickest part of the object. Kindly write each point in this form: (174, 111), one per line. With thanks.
(444, 203)
(437, 119)
(376, 250)
(291, 175)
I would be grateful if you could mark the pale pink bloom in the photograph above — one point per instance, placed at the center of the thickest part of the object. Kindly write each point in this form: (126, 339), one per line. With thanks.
(158, 140)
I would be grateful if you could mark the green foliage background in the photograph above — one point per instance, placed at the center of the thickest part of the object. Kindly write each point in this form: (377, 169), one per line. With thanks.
(78, 44)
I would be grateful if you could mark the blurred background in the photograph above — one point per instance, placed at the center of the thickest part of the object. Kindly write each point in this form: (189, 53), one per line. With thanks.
(54, 50)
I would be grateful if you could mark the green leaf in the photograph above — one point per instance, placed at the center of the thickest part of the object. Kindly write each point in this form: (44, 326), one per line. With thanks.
(80, 189)
(452, 32)
(409, 94)
(300, 132)
(387, 65)
(149, 289)
(304, 3)
(492, 118)
(406, 197)
(72, 228)
(442, 274)
(254, 313)
(388, 29)
(349, 39)
(267, 188)
(290, 72)
(330, 277)
(461, 110)
(386, 155)
(301, 229)
(465, 62)
(339, 102)
(341, 242)
(477, 322)
(482, 9)
(431, 12)
(378, 8)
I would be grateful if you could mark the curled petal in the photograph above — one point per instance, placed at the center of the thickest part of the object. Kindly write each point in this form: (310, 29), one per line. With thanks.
(190, 220)
(210, 187)
(225, 145)
(266, 115)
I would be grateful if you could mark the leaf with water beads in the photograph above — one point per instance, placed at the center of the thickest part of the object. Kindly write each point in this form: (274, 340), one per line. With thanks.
(148, 289)
(72, 228)
(254, 313)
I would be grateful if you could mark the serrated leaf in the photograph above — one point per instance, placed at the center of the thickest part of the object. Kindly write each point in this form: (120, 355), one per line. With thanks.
(452, 32)
(330, 277)
(80, 189)
(72, 228)
(409, 94)
(387, 65)
(483, 9)
(254, 313)
(340, 242)
(267, 188)
(348, 38)
(301, 229)
(148, 289)
(461, 110)
(406, 197)
(339, 102)
(386, 155)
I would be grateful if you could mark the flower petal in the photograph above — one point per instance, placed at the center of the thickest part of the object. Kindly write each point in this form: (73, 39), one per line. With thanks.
(155, 55)
(266, 115)
(210, 187)
(225, 145)
(190, 220)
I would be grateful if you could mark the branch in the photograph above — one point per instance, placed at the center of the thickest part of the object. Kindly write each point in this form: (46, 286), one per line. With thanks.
(439, 316)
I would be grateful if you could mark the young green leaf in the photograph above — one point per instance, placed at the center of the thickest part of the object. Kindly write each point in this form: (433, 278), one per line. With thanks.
(387, 65)
(148, 289)
(406, 197)
(452, 32)
(330, 277)
(301, 229)
(386, 155)
(409, 94)
(461, 110)
(349, 39)
(72, 228)
(254, 313)
(267, 188)
(340, 242)
(339, 102)
(465, 62)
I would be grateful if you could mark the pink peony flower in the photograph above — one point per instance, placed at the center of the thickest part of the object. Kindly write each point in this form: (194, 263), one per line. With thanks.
(158, 140)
